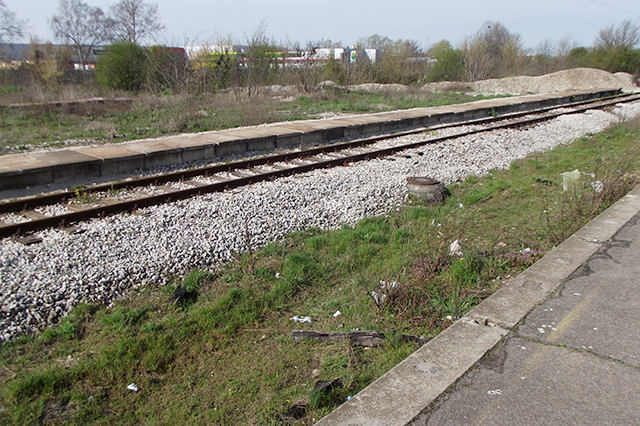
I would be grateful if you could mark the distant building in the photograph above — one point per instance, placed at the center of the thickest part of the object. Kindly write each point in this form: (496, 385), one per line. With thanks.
(14, 54)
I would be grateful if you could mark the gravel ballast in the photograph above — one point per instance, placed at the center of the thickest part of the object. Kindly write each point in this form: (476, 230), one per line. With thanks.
(40, 283)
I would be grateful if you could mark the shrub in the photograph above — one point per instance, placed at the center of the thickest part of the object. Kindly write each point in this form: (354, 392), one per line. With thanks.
(122, 67)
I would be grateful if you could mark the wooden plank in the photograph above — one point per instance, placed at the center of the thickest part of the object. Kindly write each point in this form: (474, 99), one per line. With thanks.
(32, 214)
(361, 337)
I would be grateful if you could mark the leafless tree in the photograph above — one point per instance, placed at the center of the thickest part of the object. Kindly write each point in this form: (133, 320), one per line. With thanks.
(626, 36)
(10, 27)
(135, 20)
(81, 25)
(493, 52)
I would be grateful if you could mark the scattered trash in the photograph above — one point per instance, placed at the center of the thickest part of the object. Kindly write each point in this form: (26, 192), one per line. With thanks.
(495, 392)
(132, 387)
(277, 275)
(322, 385)
(597, 186)
(501, 244)
(336, 314)
(570, 178)
(378, 297)
(386, 286)
(301, 319)
(349, 397)
(460, 206)
(455, 248)
(298, 410)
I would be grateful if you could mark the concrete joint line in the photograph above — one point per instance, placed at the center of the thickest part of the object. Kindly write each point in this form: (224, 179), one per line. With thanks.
(573, 349)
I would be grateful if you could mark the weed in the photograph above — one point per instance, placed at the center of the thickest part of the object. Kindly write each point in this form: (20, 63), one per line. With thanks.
(201, 364)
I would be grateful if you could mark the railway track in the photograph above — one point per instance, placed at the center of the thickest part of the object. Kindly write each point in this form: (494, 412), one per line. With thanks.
(63, 209)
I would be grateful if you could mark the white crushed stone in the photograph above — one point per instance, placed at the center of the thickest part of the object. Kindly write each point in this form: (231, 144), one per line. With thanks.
(561, 81)
(40, 283)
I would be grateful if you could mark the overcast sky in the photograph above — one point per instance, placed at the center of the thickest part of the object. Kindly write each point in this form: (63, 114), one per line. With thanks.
(427, 21)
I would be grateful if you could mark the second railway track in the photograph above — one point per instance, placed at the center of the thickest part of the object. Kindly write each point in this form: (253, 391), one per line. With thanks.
(62, 209)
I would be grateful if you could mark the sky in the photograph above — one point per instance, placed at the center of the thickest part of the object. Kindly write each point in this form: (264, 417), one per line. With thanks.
(193, 22)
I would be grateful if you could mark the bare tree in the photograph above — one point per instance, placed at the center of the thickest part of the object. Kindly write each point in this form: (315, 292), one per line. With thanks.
(493, 52)
(10, 27)
(81, 25)
(626, 36)
(135, 20)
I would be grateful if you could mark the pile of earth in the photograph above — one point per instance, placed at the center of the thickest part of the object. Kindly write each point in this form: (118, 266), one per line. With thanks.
(561, 81)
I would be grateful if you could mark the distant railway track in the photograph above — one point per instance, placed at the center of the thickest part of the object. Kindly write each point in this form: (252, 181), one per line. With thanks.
(64, 208)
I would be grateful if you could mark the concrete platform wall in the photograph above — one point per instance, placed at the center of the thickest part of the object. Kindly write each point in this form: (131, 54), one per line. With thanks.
(19, 171)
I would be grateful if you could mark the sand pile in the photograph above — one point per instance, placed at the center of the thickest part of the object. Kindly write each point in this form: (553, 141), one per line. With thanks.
(561, 81)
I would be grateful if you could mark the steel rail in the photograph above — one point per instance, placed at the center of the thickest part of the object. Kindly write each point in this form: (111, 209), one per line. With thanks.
(60, 196)
(15, 229)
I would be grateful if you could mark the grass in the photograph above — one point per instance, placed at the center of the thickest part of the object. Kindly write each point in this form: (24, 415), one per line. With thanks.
(152, 116)
(227, 357)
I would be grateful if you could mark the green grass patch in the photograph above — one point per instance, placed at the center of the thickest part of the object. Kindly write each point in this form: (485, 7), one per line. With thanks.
(227, 356)
(152, 116)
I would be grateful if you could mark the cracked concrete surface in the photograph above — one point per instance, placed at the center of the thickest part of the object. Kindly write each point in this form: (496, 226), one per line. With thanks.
(558, 345)
(573, 360)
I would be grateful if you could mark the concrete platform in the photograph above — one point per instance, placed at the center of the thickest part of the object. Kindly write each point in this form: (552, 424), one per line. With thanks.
(557, 345)
(31, 169)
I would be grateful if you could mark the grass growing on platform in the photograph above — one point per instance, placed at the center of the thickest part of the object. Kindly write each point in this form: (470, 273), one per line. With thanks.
(151, 116)
(225, 354)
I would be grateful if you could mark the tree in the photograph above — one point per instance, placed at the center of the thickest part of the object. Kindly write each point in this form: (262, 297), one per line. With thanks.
(624, 36)
(615, 48)
(81, 25)
(10, 27)
(165, 69)
(399, 62)
(259, 64)
(493, 52)
(449, 62)
(45, 64)
(122, 67)
(135, 20)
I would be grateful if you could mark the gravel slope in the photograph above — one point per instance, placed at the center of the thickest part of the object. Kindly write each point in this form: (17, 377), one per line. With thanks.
(561, 81)
(41, 283)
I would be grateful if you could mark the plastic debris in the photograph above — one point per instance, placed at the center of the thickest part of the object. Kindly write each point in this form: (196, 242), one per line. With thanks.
(570, 178)
(132, 387)
(378, 297)
(597, 186)
(336, 314)
(349, 397)
(301, 319)
(385, 285)
(277, 275)
(501, 244)
(455, 248)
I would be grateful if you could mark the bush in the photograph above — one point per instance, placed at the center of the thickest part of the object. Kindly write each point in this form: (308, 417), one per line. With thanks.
(165, 69)
(122, 67)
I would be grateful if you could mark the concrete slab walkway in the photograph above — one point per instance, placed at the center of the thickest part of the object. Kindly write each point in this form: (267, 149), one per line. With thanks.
(558, 345)
(107, 161)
